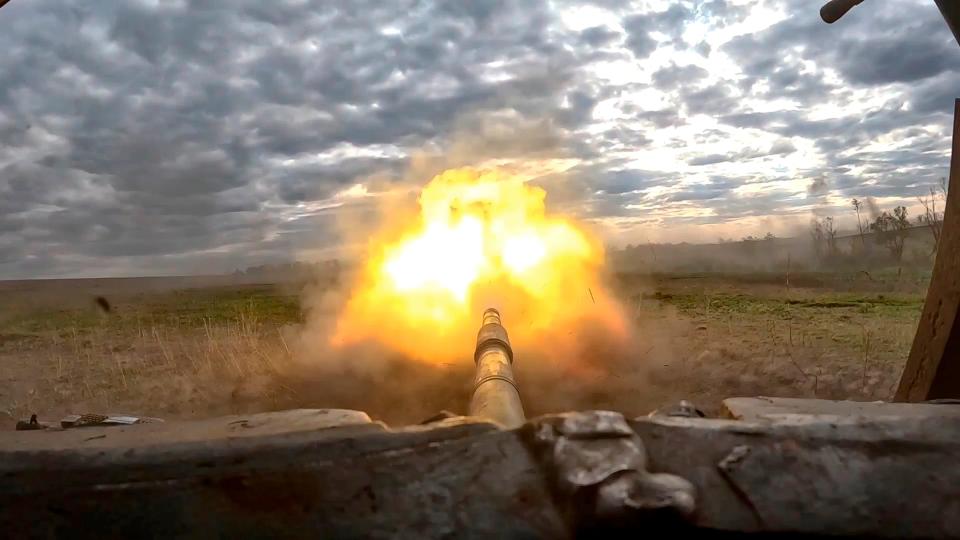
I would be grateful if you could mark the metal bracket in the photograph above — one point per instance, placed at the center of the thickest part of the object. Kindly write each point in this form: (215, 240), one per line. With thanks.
(598, 467)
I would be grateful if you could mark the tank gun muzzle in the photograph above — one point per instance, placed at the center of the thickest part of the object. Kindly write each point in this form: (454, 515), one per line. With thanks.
(495, 393)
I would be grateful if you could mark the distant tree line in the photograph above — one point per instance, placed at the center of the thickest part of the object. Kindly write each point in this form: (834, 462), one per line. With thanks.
(888, 229)
(287, 272)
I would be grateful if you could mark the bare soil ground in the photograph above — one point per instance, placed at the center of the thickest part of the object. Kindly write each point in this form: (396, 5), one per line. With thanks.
(188, 349)
(833, 337)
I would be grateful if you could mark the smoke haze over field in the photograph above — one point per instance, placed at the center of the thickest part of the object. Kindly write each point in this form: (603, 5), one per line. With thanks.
(192, 137)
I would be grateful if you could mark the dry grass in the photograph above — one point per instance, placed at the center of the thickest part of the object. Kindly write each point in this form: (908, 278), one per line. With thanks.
(222, 350)
(729, 338)
(146, 361)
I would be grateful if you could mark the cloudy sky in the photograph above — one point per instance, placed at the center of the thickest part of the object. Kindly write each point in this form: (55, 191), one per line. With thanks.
(159, 137)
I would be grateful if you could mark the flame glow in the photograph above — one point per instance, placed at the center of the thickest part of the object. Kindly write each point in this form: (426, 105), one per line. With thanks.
(482, 238)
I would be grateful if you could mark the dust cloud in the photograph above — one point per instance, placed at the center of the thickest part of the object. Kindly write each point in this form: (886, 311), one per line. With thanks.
(575, 368)
(581, 363)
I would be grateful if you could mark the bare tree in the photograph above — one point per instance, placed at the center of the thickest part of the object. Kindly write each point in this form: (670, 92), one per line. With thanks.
(830, 231)
(857, 206)
(817, 235)
(932, 217)
(890, 230)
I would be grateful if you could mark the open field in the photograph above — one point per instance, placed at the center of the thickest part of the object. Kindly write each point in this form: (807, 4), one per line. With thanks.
(826, 336)
(176, 348)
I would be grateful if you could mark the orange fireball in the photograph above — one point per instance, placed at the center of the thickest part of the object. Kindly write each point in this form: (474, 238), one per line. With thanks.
(482, 238)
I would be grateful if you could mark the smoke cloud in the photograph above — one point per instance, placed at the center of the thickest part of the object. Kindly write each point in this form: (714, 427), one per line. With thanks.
(574, 368)
(818, 186)
(581, 362)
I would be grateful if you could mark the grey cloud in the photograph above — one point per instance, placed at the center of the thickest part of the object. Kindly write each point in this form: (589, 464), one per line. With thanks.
(868, 47)
(913, 58)
(723, 12)
(674, 75)
(838, 139)
(137, 29)
(673, 19)
(621, 138)
(709, 159)
(874, 47)
(818, 186)
(703, 48)
(638, 35)
(599, 36)
(662, 118)
(592, 191)
(579, 111)
(178, 116)
(719, 196)
(936, 95)
(714, 99)
(710, 136)
(789, 124)
(781, 147)
(715, 188)
(624, 181)
(305, 182)
(481, 12)
(191, 136)
(639, 27)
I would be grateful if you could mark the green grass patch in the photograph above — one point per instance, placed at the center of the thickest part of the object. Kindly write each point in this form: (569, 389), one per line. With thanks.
(878, 280)
(838, 304)
(724, 303)
(191, 308)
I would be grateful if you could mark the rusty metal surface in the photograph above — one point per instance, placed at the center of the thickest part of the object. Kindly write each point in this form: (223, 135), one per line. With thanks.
(894, 477)
(332, 483)
(886, 477)
(220, 430)
(841, 481)
(597, 466)
(765, 409)
(932, 370)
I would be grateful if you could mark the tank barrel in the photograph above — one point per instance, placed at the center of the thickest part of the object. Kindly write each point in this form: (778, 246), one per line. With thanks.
(495, 393)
